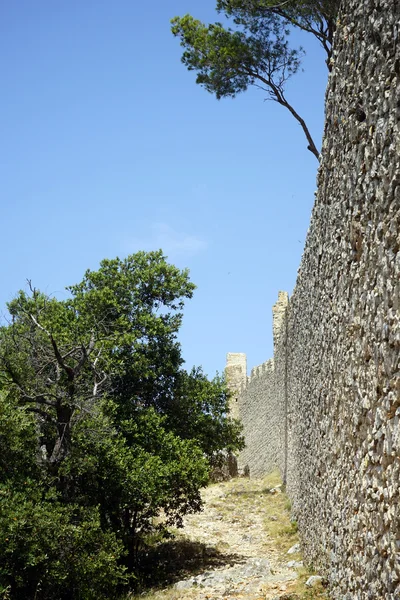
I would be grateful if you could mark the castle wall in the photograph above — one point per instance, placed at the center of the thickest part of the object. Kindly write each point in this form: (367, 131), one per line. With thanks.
(260, 426)
(336, 380)
(236, 376)
(343, 328)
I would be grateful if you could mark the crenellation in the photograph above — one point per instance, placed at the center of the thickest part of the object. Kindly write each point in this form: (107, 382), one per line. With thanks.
(261, 370)
(254, 373)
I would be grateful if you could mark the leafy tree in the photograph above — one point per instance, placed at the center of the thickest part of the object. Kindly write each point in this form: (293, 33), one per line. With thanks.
(256, 52)
(100, 426)
(198, 412)
(18, 443)
(53, 550)
(59, 358)
(131, 470)
(49, 549)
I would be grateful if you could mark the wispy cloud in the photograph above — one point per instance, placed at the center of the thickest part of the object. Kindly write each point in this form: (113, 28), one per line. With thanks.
(172, 242)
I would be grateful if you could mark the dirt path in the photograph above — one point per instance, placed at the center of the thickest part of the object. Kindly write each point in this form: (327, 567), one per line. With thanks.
(236, 548)
(235, 523)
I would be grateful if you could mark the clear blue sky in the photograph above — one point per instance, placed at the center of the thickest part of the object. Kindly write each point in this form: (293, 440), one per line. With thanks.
(108, 147)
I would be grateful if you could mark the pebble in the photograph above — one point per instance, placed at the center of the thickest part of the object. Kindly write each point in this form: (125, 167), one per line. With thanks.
(254, 568)
(294, 564)
(251, 570)
(314, 580)
(294, 549)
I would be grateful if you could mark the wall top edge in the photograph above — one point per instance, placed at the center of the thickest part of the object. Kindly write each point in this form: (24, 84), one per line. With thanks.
(236, 358)
(260, 370)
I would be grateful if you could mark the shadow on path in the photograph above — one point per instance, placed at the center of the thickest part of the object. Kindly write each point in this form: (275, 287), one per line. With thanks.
(174, 560)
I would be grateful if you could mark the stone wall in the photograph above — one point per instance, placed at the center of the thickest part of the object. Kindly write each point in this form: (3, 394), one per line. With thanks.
(236, 375)
(261, 452)
(336, 378)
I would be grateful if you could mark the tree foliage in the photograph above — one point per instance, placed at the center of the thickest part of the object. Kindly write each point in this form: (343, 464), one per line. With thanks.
(198, 412)
(317, 17)
(100, 428)
(51, 549)
(256, 51)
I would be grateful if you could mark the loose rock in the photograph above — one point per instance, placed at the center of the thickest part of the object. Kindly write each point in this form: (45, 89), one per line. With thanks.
(314, 580)
(294, 549)
(252, 569)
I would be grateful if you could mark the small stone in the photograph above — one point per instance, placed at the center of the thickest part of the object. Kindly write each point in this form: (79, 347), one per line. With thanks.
(184, 585)
(294, 564)
(314, 580)
(294, 549)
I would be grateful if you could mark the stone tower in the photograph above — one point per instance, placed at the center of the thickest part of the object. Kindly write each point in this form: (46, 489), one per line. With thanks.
(278, 315)
(236, 377)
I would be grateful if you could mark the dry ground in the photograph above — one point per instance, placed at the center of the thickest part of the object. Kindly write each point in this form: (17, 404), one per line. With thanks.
(236, 548)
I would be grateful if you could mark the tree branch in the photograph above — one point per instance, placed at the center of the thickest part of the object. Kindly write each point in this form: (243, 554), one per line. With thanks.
(42, 413)
(69, 371)
(280, 98)
(39, 325)
(85, 354)
(40, 399)
(97, 384)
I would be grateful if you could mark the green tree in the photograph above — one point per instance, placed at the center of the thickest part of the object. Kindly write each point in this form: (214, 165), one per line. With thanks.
(59, 358)
(18, 443)
(49, 548)
(256, 51)
(131, 470)
(198, 411)
(113, 430)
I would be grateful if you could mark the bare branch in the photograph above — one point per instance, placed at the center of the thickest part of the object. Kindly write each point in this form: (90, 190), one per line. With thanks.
(276, 93)
(98, 384)
(281, 4)
(39, 325)
(69, 371)
(85, 354)
(96, 359)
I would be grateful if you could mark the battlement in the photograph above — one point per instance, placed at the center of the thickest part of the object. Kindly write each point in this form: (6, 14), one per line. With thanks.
(263, 369)
(236, 369)
(254, 403)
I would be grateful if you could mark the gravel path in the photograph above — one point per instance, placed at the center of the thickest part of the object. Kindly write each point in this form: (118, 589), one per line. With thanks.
(232, 523)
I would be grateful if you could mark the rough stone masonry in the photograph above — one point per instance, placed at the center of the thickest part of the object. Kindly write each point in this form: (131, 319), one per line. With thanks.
(326, 409)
